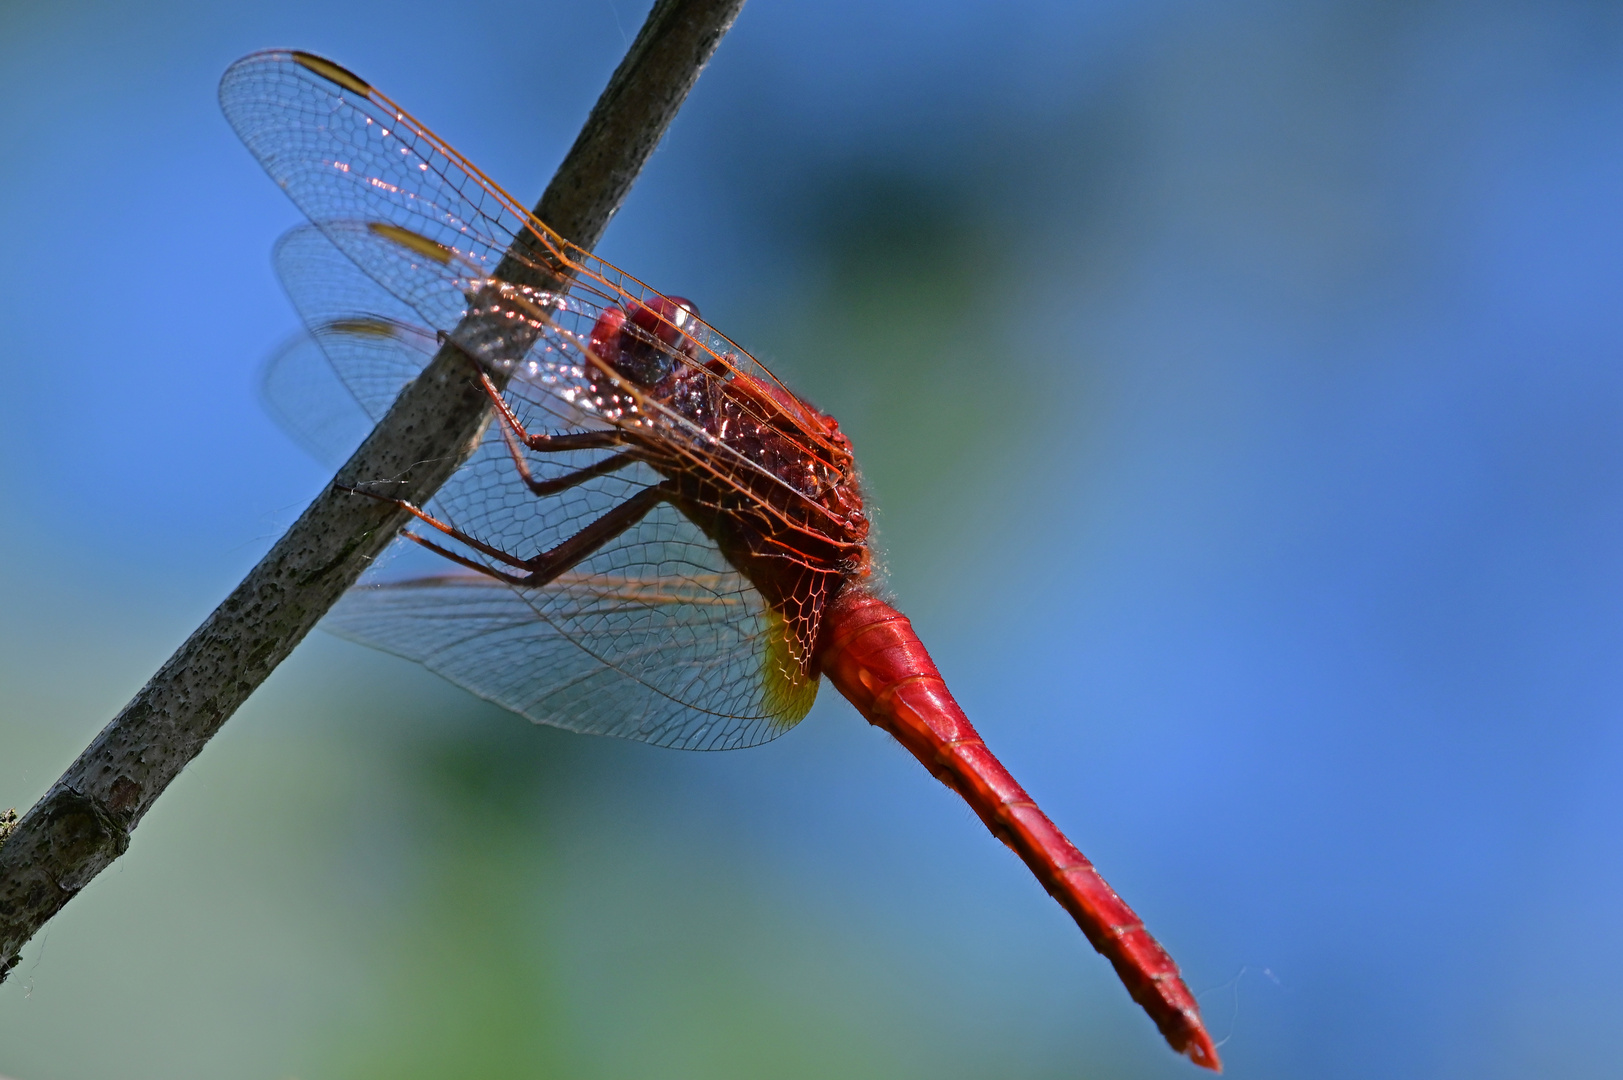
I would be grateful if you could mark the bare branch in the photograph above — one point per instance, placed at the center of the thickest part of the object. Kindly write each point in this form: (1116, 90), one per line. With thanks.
(84, 821)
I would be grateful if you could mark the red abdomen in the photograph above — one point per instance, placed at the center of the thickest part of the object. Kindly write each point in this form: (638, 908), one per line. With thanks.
(870, 653)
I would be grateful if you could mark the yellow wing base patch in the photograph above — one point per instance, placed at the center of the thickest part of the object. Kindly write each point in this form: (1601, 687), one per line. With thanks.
(788, 692)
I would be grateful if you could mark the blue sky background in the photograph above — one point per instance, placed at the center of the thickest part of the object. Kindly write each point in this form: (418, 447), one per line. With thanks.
(1241, 391)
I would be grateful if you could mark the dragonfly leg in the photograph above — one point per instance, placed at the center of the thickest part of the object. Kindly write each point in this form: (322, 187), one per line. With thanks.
(575, 440)
(613, 463)
(541, 568)
(449, 530)
(549, 564)
(463, 560)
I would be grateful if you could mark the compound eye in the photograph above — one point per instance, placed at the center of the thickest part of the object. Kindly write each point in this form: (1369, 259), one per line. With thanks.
(666, 318)
(685, 314)
(606, 334)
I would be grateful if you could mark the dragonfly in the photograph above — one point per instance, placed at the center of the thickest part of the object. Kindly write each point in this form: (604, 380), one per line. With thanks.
(653, 538)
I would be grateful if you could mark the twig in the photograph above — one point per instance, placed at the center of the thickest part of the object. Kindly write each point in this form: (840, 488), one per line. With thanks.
(84, 821)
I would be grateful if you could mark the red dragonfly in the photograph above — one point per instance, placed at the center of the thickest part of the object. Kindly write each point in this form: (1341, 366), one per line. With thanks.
(654, 538)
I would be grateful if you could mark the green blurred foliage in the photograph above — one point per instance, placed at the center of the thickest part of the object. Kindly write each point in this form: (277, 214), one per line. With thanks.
(901, 333)
(520, 946)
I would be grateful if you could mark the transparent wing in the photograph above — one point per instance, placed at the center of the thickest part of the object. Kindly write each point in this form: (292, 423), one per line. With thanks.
(328, 385)
(344, 153)
(654, 637)
(303, 394)
(373, 342)
(366, 347)
(471, 262)
(571, 655)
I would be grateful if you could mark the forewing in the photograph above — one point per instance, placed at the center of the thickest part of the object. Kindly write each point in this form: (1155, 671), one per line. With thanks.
(344, 153)
(438, 235)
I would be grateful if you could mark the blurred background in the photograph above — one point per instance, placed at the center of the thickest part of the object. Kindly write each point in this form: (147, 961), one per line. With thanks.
(1241, 390)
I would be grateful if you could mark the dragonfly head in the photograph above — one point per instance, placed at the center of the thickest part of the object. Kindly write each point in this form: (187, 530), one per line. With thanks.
(642, 344)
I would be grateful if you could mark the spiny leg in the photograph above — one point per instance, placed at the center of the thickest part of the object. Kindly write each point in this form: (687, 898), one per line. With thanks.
(544, 567)
(575, 440)
(607, 465)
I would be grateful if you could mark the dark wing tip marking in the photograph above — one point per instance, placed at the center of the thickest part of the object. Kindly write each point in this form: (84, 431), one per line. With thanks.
(332, 72)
